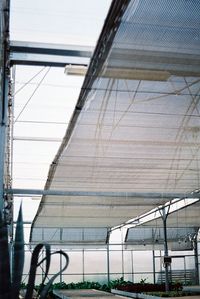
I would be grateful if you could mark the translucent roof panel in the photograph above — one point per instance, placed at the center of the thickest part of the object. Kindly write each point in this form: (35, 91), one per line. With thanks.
(144, 140)
(179, 238)
(155, 235)
(136, 124)
(86, 211)
(187, 217)
(71, 235)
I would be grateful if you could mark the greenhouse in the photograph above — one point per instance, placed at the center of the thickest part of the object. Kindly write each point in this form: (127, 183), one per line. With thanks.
(100, 144)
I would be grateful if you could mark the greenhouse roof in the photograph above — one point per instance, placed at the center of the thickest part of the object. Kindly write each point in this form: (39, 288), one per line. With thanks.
(135, 128)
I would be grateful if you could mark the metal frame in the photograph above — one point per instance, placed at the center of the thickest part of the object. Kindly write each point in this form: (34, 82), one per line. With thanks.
(32, 53)
(108, 274)
(93, 193)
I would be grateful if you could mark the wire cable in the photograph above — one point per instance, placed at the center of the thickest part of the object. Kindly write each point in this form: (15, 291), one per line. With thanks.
(25, 84)
(39, 84)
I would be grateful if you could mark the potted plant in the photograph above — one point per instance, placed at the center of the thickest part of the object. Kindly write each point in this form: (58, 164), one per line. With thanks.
(11, 273)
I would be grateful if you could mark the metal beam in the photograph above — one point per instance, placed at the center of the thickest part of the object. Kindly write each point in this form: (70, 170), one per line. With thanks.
(50, 49)
(46, 60)
(50, 192)
(33, 53)
(40, 139)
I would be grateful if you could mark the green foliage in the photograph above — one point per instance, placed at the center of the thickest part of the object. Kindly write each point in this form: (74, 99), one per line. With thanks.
(78, 285)
(143, 280)
(18, 256)
(145, 287)
(87, 285)
(60, 285)
(91, 285)
(23, 286)
(10, 284)
(5, 275)
(177, 286)
(113, 284)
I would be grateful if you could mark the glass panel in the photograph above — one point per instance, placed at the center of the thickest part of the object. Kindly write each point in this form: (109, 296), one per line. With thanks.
(146, 264)
(55, 264)
(128, 267)
(72, 278)
(27, 262)
(95, 262)
(190, 262)
(128, 277)
(115, 262)
(115, 276)
(97, 278)
(75, 263)
(138, 277)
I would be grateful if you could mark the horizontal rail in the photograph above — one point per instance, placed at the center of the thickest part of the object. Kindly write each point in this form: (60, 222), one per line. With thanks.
(95, 193)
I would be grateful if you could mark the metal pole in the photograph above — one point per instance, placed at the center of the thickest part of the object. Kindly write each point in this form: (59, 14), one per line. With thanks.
(61, 233)
(60, 268)
(83, 261)
(95, 193)
(154, 267)
(122, 248)
(108, 263)
(132, 266)
(196, 258)
(185, 273)
(161, 272)
(166, 265)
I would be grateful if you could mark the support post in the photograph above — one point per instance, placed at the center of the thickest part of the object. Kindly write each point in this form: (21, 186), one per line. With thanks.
(164, 215)
(108, 263)
(61, 234)
(196, 261)
(154, 267)
(122, 261)
(60, 268)
(5, 78)
(83, 262)
(132, 268)
(166, 265)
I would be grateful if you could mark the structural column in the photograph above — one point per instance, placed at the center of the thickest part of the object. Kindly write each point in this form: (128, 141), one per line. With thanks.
(154, 267)
(4, 92)
(166, 262)
(108, 263)
(196, 260)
